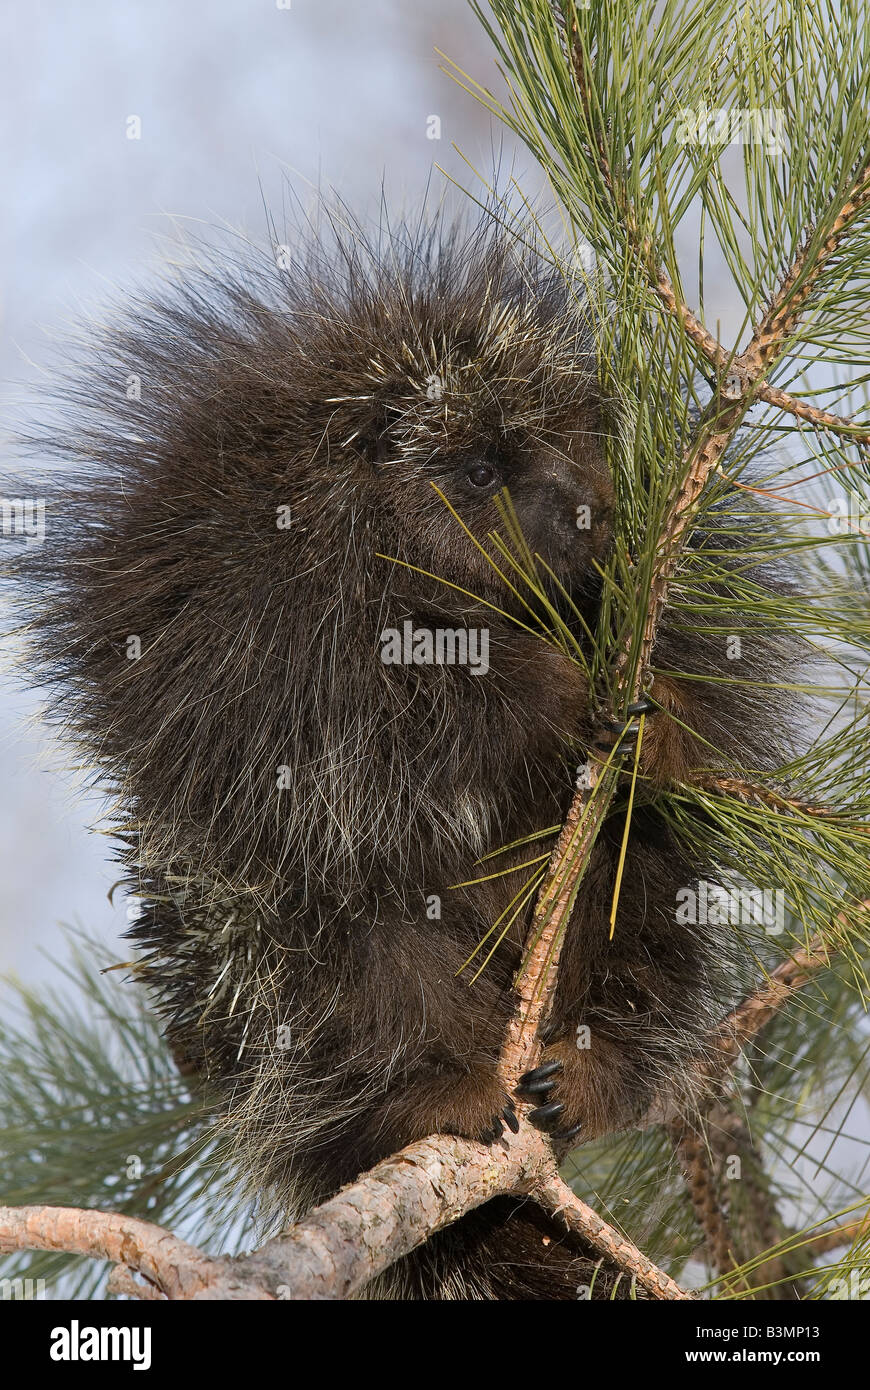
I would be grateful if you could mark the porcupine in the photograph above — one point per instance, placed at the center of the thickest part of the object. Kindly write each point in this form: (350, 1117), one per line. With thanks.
(222, 563)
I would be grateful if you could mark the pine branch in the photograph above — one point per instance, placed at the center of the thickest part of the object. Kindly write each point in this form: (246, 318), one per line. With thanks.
(779, 321)
(342, 1245)
(782, 316)
(705, 1146)
(536, 980)
(726, 363)
(122, 1283)
(695, 1161)
(754, 792)
(712, 437)
(814, 415)
(689, 1131)
(176, 1268)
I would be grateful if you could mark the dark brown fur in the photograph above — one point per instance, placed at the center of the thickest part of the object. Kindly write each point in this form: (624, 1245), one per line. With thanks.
(341, 390)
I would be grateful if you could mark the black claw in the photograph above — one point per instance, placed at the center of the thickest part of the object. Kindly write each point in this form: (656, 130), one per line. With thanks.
(533, 1090)
(622, 737)
(563, 1135)
(623, 732)
(494, 1132)
(540, 1073)
(620, 728)
(537, 1083)
(510, 1118)
(604, 744)
(644, 706)
(544, 1115)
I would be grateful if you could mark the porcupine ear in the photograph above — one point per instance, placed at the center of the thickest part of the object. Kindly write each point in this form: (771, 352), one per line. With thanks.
(375, 441)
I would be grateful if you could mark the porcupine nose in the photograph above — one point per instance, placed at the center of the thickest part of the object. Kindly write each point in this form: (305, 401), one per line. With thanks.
(577, 521)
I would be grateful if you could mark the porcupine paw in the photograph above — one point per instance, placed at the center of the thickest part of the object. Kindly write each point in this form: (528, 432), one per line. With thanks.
(495, 1129)
(480, 1108)
(472, 1104)
(588, 1088)
(477, 1105)
(485, 1132)
(552, 1115)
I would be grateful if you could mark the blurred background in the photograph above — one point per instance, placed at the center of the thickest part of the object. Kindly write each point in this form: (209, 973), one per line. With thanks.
(237, 100)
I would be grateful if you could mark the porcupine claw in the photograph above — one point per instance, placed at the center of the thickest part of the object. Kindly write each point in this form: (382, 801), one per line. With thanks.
(543, 1117)
(625, 731)
(508, 1116)
(536, 1085)
(561, 1136)
(538, 1082)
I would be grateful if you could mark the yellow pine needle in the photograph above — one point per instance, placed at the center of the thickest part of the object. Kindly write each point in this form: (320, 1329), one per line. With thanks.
(624, 847)
(521, 897)
(523, 840)
(501, 873)
(533, 885)
(471, 536)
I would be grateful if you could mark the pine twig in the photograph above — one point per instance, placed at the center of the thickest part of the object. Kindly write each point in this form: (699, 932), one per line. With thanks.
(695, 1160)
(558, 1198)
(123, 1282)
(536, 979)
(782, 315)
(838, 1236)
(718, 356)
(754, 792)
(705, 1145)
(686, 1123)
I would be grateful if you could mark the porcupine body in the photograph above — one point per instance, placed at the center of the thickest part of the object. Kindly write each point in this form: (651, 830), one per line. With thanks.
(294, 811)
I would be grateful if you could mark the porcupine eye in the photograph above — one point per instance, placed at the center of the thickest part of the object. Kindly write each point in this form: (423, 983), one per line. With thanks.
(482, 476)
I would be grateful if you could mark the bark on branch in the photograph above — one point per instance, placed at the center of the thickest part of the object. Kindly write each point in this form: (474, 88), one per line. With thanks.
(345, 1243)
